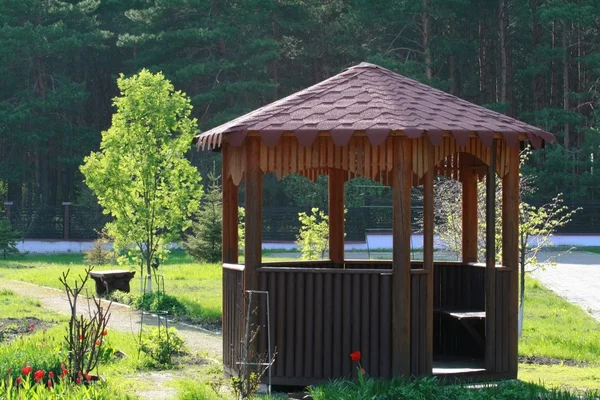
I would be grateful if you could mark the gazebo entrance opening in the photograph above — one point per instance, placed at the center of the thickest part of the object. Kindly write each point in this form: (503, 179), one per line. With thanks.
(403, 315)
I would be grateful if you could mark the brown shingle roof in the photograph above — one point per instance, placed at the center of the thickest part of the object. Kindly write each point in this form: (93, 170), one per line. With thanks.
(375, 100)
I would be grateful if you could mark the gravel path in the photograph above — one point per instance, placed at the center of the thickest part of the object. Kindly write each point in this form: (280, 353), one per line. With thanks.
(576, 277)
(122, 318)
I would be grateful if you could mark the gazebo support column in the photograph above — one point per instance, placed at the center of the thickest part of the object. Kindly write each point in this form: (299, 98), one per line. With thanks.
(336, 215)
(428, 227)
(401, 188)
(469, 215)
(490, 263)
(510, 253)
(253, 233)
(230, 212)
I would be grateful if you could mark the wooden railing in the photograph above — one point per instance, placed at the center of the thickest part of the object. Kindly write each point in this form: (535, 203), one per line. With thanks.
(233, 315)
(320, 315)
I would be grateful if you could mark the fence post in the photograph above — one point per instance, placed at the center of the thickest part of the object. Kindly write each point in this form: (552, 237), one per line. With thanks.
(7, 207)
(66, 205)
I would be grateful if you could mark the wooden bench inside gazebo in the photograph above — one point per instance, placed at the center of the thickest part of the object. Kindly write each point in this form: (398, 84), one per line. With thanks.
(408, 318)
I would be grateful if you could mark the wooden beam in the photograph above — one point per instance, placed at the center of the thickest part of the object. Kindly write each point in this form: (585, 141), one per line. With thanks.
(490, 263)
(510, 253)
(230, 211)
(428, 225)
(253, 233)
(401, 188)
(336, 215)
(469, 215)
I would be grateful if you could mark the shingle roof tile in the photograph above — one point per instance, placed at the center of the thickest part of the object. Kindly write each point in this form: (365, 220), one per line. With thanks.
(370, 98)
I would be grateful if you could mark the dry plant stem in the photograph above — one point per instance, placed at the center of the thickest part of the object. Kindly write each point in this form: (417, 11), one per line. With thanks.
(85, 336)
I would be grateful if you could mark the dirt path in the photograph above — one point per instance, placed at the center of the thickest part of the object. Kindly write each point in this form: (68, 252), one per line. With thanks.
(126, 319)
(576, 277)
(122, 318)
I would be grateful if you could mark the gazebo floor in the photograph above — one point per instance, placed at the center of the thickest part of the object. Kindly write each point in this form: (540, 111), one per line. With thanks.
(458, 365)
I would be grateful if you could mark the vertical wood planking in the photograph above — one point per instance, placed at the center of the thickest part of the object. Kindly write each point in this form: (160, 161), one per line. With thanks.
(385, 318)
(376, 326)
(356, 322)
(469, 213)
(299, 317)
(337, 326)
(365, 331)
(347, 324)
(327, 325)
(290, 344)
(230, 212)
(309, 325)
(318, 361)
(280, 323)
(428, 232)
(336, 215)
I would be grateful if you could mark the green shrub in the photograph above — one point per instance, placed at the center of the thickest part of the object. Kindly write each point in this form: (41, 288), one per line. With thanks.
(313, 238)
(100, 253)
(160, 344)
(8, 238)
(152, 302)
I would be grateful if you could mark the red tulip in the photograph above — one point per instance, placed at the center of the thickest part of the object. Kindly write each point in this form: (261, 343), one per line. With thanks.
(19, 380)
(78, 381)
(88, 377)
(51, 375)
(49, 383)
(38, 375)
(362, 371)
(104, 333)
(355, 356)
(98, 342)
(80, 337)
(26, 370)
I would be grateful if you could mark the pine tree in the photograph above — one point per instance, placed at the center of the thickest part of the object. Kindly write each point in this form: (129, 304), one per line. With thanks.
(8, 239)
(205, 243)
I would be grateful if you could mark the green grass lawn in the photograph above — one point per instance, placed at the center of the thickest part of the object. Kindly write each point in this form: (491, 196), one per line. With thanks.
(196, 285)
(554, 328)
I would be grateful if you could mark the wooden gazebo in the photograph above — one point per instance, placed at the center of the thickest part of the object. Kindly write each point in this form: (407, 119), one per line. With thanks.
(409, 318)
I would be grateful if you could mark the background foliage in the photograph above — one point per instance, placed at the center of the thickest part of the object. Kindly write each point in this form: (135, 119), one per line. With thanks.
(537, 60)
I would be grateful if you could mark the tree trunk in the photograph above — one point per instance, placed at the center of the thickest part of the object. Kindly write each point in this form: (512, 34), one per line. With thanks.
(426, 39)
(567, 142)
(503, 25)
(537, 81)
(554, 77)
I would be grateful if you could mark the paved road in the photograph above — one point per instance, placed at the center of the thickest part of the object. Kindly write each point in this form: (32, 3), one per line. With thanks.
(576, 277)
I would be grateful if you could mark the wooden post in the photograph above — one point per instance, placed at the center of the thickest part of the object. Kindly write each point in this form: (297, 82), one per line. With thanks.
(7, 207)
(336, 215)
(401, 187)
(253, 235)
(490, 263)
(230, 212)
(469, 215)
(66, 205)
(428, 225)
(510, 254)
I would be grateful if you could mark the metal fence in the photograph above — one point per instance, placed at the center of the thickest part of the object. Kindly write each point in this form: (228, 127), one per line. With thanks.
(71, 222)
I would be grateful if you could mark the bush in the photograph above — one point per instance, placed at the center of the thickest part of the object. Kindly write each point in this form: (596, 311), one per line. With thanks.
(152, 302)
(160, 344)
(313, 239)
(100, 253)
(8, 238)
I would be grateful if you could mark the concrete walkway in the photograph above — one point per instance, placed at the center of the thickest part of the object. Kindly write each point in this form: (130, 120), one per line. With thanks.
(576, 277)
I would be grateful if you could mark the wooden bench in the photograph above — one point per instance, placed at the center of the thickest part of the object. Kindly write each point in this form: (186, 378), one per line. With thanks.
(109, 281)
(466, 319)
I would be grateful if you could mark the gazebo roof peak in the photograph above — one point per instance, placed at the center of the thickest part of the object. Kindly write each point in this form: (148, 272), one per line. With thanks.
(374, 100)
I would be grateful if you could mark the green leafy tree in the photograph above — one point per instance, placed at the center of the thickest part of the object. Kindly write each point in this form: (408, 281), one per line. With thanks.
(205, 242)
(140, 174)
(8, 238)
(313, 239)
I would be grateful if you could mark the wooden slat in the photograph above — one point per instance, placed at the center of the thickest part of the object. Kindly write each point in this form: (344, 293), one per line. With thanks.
(328, 325)
(356, 322)
(280, 323)
(299, 317)
(347, 325)
(338, 357)
(469, 216)
(336, 215)
(385, 316)
(309, 314)
(376, 326)
(402, 182)
(319, 351)
(290, 336)
(365, 330)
